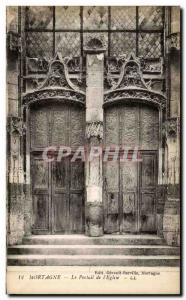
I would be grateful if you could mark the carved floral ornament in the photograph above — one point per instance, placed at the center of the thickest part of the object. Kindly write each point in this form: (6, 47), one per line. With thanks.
(95, 45)
(16, 126)
(171, 127)
(132, 87)
(173, 41)
(57, 86)
(94, 129)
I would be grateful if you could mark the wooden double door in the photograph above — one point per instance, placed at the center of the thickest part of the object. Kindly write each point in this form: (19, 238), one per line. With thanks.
(58, 196)
(130, 194)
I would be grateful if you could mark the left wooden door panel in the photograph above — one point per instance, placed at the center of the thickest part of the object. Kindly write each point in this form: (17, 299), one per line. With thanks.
(41, 195)
(76, 199)
(60, 196)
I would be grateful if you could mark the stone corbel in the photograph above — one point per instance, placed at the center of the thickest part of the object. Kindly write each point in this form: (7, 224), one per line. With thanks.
(94, 129)
(16, 126)
(14, 43)
(171, 128)
(173, 41)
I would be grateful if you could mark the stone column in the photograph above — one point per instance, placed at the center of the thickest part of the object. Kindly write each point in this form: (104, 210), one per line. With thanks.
(94, 137)
(171, 219)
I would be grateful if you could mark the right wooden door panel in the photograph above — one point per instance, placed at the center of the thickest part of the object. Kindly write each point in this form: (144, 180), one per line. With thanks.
(148, 183)
(130, 187)
(130, 195)
(76, 192)
(129, 182)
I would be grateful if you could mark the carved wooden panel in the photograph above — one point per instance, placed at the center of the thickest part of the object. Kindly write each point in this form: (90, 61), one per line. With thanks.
(40, 191)
(147, 204)
(60, 174)
(41, 213)
(148, 174)
(59, 125)
(77, 126)
(149, 128)
(112, 214)
(148, 212)
(129, 175)
(60, 207)
(129, 184)
(57, 187)
(148, 170)
(39, 128)
(111, 171)
(40, 174)
(111, 196)
(76, 213)
(132, 126)
(129, 126)
(60, 195)
(76, 201)
(112, 126)
(77, 176)
(130, 195)
(67, 196)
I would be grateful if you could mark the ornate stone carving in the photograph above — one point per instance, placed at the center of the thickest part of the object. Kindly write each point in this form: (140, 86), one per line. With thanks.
(131, 74)
(143, 96)
(94, 129)
(57, 85)
(131, 86)
(13, 41)
(37, 65)
(16, 126)
(57, 76)
(110, 81)
(75, 64)
(171, 127)
(95, 45)
(173, 41)
(114, 64)
(55, 94)
(152, 66)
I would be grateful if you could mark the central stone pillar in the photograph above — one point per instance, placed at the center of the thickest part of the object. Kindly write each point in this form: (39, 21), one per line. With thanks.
(94, 137)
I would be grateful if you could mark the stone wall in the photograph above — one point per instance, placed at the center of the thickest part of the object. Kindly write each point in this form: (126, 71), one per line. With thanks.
(15, 176)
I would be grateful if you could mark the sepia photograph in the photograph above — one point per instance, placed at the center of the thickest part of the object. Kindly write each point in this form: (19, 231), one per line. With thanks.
(93, 149)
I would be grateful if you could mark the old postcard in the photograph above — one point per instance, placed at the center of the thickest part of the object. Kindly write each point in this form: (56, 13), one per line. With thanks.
(93, 150)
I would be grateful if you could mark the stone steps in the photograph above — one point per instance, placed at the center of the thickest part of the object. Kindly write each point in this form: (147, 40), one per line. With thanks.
(130, 239)
(94, 249)
(92, 260)
(109, 250)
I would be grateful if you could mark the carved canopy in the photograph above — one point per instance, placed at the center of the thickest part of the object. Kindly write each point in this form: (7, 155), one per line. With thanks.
(57, 86)
(131, 87)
